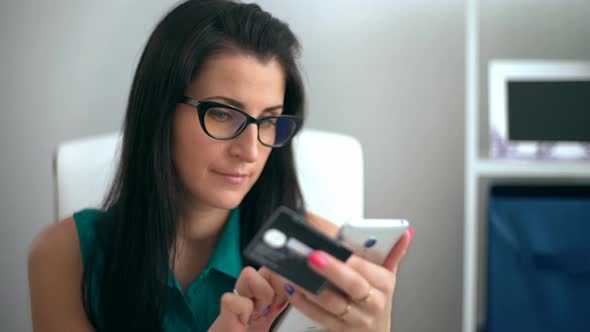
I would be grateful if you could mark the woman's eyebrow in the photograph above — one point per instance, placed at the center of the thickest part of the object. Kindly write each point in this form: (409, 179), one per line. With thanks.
(238, 104)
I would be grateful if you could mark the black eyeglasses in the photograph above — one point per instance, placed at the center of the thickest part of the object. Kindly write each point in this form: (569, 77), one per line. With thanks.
(225, 122)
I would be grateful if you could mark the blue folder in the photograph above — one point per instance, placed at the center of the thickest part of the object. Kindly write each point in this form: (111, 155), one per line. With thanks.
(538, 270)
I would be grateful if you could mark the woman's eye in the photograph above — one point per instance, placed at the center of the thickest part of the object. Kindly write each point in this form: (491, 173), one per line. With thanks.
(219, 114)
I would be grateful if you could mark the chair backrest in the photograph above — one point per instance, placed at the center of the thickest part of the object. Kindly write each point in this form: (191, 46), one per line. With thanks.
(329, 167)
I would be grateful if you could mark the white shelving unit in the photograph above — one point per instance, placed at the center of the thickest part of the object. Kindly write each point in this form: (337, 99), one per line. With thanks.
(481, 172)
(497, 169)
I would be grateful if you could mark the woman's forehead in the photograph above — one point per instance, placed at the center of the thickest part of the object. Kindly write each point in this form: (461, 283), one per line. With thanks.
(242, 77)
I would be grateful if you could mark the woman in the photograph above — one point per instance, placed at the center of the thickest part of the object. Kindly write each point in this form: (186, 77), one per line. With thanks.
(206, 157)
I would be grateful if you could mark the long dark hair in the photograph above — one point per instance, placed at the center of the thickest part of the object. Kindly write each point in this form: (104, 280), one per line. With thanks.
(136, 237)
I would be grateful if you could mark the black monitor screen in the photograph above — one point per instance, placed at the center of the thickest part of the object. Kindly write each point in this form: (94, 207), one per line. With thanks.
(549, 111)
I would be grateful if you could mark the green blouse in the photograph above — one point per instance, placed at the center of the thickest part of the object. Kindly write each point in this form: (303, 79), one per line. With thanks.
(198, 308)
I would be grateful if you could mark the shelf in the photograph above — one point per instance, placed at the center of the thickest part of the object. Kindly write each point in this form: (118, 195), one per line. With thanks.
(532, 169)
(481, 172)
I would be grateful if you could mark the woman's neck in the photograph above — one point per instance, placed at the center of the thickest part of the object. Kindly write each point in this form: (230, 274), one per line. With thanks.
(196, 239)
(201, 224)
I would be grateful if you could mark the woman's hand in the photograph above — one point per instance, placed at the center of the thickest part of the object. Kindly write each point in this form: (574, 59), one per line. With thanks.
(252, 306)
(366, 302)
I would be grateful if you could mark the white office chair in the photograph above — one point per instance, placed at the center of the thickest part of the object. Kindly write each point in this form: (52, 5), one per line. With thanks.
(329, 167)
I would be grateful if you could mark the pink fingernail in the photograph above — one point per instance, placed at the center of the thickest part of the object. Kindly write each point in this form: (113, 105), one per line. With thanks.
(282, 305)
(411, 231)
(317, 259)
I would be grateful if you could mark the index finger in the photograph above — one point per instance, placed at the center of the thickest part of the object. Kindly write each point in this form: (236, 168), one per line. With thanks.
(277, 282)
(252, 285)
(339, 274)
(399, 251)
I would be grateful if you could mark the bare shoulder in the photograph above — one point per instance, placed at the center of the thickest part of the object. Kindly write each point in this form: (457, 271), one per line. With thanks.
(57, 244)
(55, 279)
(322, 224)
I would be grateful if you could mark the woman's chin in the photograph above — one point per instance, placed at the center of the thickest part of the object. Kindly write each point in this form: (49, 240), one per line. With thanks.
(227, 201)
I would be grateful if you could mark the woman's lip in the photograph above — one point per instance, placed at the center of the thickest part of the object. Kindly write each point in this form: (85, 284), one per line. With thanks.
(243, 175)
(233, 178)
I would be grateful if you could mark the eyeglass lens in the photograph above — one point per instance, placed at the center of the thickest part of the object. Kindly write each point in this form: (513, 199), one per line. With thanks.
(226, 123)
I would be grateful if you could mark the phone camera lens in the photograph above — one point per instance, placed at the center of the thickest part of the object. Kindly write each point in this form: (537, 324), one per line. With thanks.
(371, 241)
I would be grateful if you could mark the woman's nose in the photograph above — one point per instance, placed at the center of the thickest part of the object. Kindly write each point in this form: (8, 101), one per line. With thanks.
(246, 145)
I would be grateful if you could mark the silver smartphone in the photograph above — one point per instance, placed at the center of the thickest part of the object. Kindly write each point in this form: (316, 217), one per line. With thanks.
(371, 239)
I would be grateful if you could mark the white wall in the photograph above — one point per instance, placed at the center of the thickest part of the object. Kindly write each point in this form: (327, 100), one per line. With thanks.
(65, 68)
(392, 74)
(388, 72)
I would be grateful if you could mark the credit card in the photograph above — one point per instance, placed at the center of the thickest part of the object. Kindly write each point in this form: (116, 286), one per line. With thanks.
(283, 244)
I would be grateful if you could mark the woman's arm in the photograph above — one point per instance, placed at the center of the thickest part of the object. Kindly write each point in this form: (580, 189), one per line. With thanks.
(55, 279)
(322, 224)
